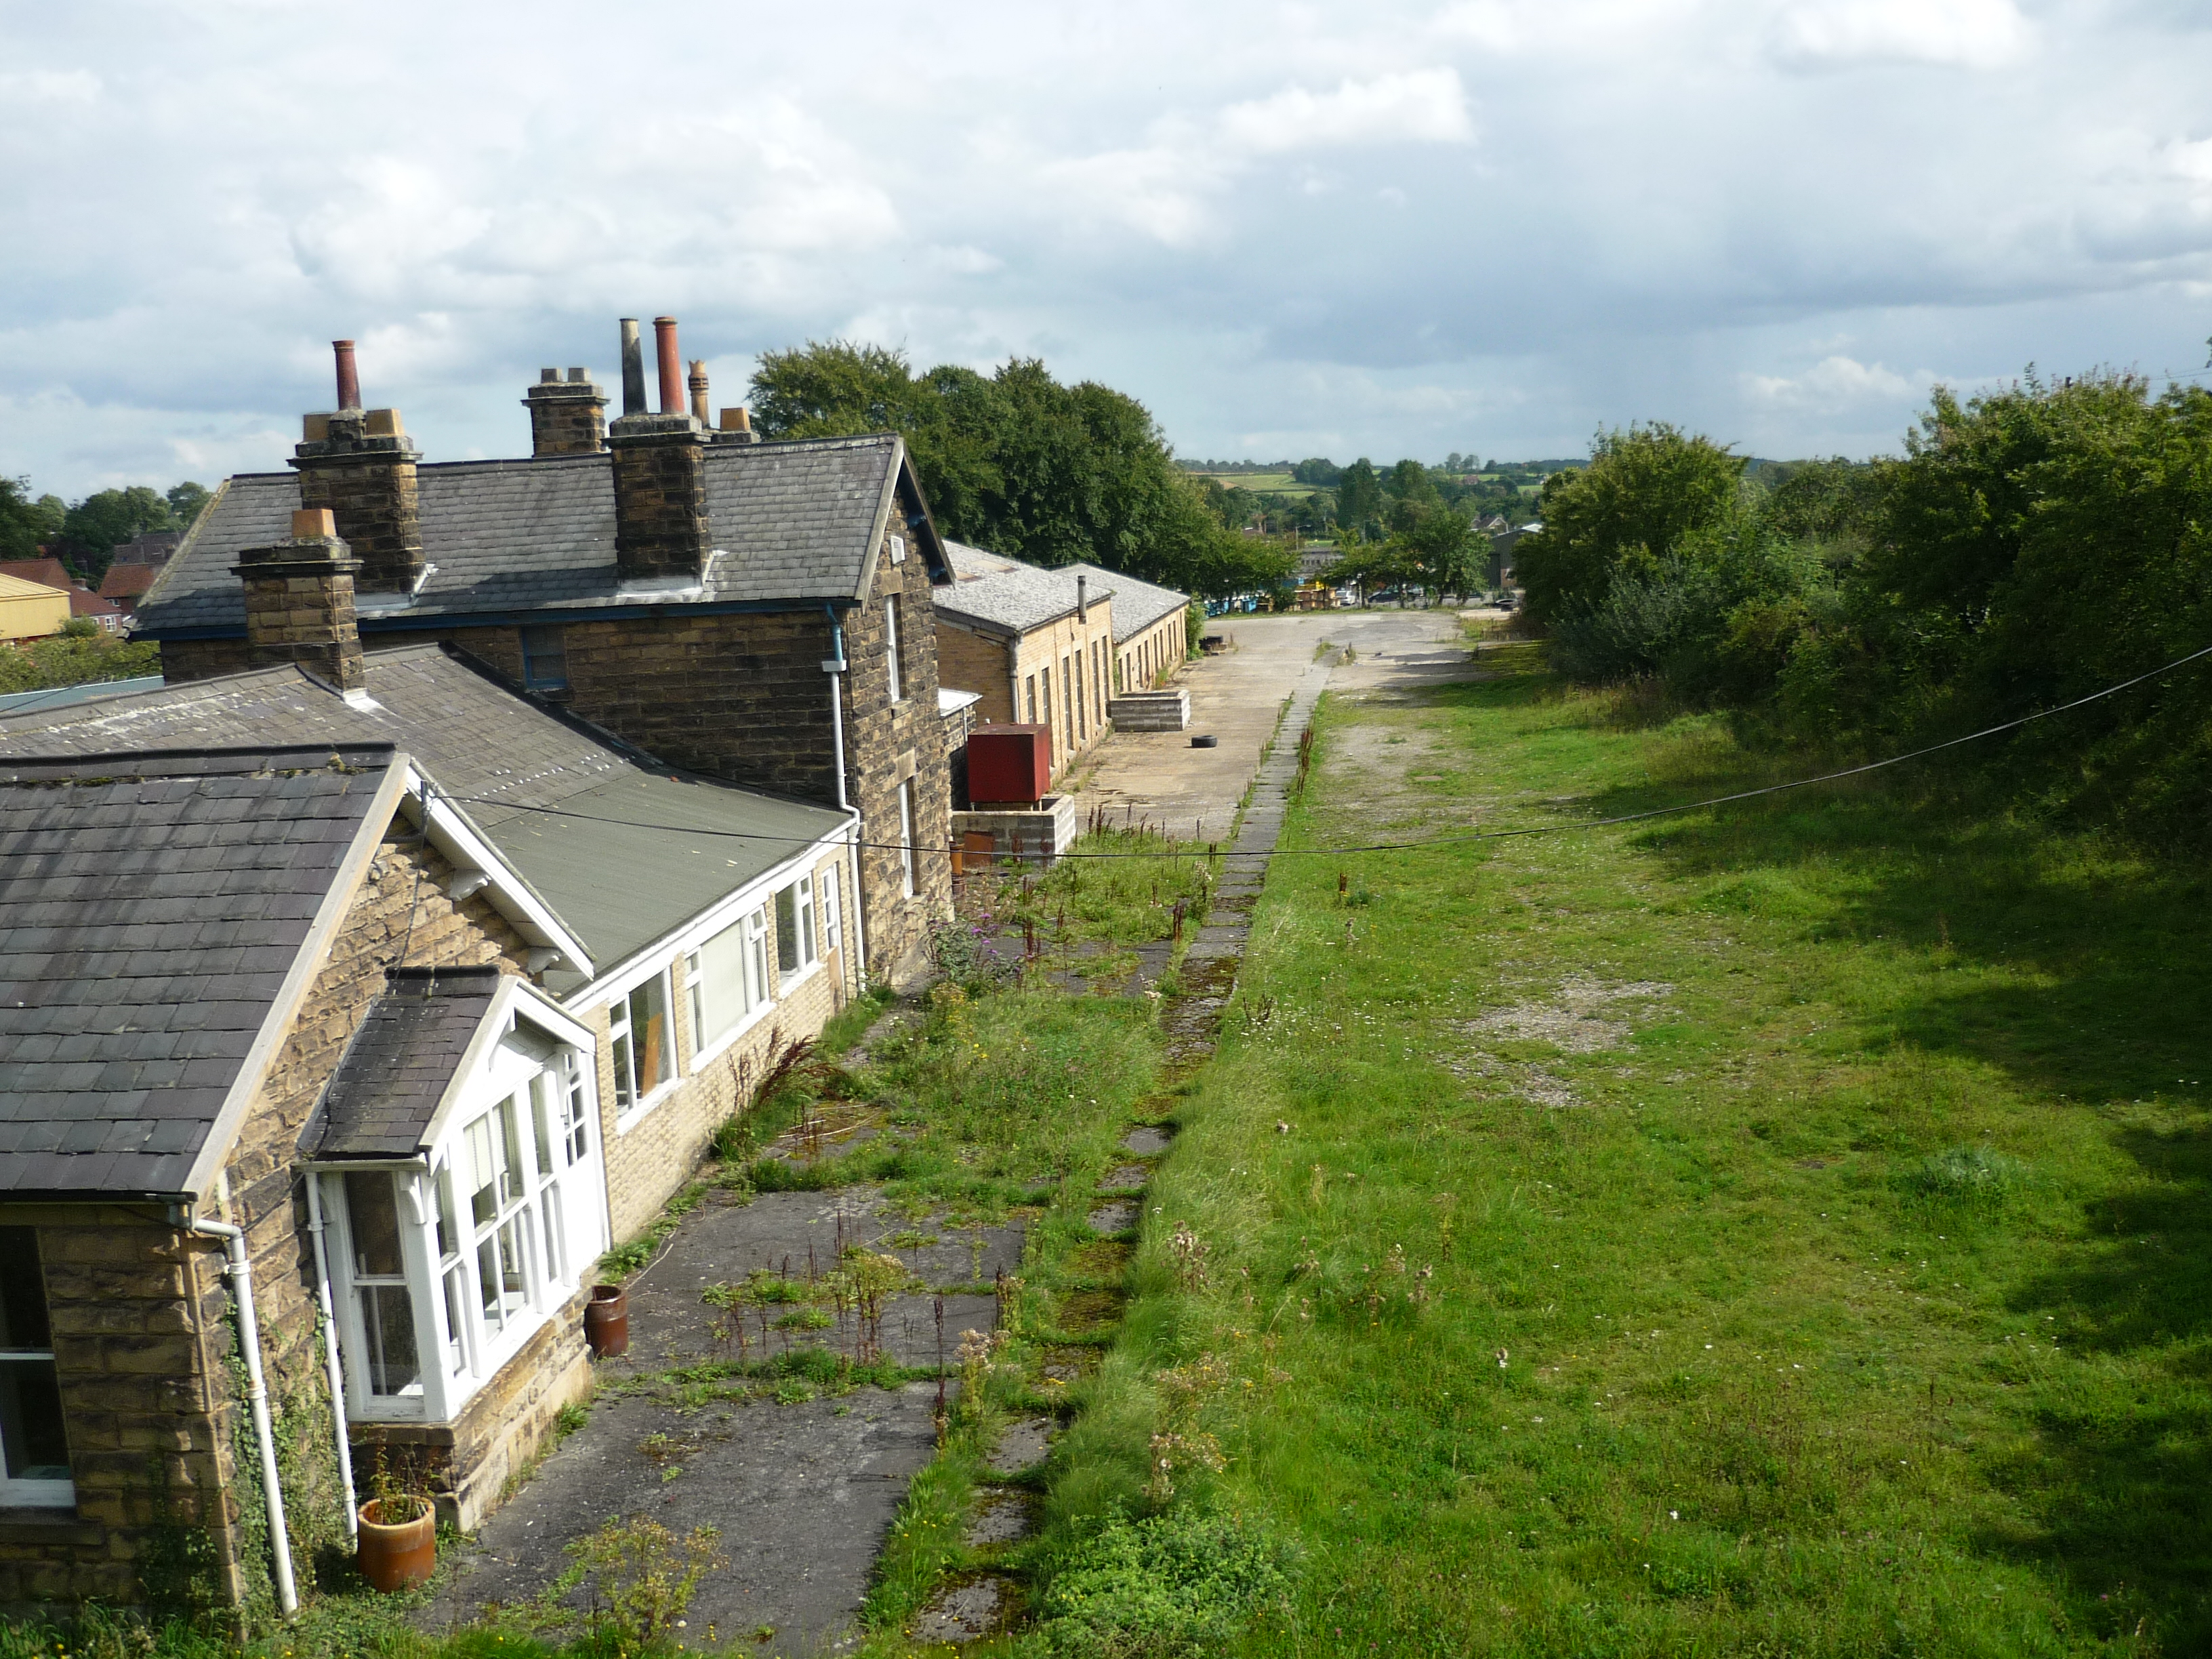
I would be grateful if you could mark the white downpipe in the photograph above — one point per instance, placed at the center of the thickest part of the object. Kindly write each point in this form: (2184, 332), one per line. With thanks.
(833, 667)
(240, 1273)
(330, 1351)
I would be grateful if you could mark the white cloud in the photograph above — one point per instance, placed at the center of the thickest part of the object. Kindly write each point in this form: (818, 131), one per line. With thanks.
(1838, 382)
(1416, 225)
(51, 86)
(1424, 106)
(1952, 34)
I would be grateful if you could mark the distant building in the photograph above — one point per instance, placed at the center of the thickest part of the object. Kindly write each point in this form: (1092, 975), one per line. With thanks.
(52, 573)
(30, 611)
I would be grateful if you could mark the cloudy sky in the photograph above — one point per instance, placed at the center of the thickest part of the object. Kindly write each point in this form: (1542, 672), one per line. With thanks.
(1380, 228)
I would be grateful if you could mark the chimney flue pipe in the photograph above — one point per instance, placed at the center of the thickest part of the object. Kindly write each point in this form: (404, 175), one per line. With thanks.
(349, 375)
(698, 384)
(633, 360)
(671, 367)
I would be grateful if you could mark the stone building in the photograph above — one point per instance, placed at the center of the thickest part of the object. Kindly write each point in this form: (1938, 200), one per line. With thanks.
(1053, 647)
(426, 988)
(1034, 645)
(755, 612)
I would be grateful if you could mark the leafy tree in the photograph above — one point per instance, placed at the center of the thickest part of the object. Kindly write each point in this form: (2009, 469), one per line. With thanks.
(96, 524)
(1018, 462)
(1645, 488)
(187, 501)
(1359, 495)
(1319, 472)
(23, 525)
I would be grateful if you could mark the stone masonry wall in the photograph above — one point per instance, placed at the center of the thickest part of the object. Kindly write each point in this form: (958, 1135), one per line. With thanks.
(369, 485)
(969, 661)
(142, 1337)
(122, 1294)
(884, 741)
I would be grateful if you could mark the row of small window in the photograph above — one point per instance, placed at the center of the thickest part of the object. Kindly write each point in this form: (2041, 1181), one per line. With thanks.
(502, 1251)
(727, 982)
(1072, 673)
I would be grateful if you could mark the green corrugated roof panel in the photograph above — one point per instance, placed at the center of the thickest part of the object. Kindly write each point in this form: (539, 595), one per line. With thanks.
(635, 856)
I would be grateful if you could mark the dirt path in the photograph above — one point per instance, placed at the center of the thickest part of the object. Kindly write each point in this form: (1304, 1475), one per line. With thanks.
(1235, 697)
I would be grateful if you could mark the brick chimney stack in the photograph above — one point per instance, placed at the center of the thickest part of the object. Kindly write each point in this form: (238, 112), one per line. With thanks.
(567, 417)
(659, 471)
(299, 601)
(358, 464)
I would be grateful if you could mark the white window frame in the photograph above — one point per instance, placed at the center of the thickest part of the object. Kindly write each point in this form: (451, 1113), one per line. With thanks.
(555, 1207)
(805, 942)
(898, 550)
(757, 991)
(833, 915)
(42, 1493)
(622, 1046)
(892, 647)
(906, 833)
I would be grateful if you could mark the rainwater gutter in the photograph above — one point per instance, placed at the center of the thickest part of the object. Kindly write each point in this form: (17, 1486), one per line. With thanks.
(239, 1270)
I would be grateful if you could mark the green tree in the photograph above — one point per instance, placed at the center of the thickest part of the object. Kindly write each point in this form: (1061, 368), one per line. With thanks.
(1645, 488)
(1360, 496)
(96, 524)
(1017, 461)
(23, 526)
(187, 501)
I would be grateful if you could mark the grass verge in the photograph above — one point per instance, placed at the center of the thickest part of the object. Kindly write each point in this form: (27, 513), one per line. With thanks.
(1784, 1230)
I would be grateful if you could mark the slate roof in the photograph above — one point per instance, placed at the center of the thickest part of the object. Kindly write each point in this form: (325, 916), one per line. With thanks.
(998, 592)
(1137, 604)
(151, 906)
(1003, 593)
(796, 522)
(621, 848)
(384, 1093)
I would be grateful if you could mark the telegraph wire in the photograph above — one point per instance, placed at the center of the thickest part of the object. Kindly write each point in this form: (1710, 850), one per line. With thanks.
(1193, 849)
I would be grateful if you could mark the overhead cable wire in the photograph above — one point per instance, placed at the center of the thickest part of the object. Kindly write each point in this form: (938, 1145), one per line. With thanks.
(1193, 850)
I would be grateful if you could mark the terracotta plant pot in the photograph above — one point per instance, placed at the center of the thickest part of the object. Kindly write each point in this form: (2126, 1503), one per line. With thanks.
(392, 1555)
(607, 1321)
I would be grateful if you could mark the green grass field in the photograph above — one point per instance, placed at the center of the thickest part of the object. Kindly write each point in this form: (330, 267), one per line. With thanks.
(1279, 483)
(1779, 1230)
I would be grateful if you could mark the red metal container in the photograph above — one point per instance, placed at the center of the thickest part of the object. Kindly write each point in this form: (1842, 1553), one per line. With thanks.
(1009, 765)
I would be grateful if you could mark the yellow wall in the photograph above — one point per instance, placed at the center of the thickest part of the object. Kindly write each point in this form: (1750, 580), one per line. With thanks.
(29, 612)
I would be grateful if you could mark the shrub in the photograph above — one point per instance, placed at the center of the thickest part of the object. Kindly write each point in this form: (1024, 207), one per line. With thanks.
(1182, 1583)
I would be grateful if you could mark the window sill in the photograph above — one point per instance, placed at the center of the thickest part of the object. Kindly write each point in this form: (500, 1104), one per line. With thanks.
(42, 1523)
(625, 1121)
(730, 1038)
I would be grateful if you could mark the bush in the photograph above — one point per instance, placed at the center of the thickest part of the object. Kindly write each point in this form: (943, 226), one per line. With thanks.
(1183, 1583)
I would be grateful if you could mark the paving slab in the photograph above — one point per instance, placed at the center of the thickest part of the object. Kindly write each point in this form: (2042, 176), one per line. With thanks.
(1236, 696)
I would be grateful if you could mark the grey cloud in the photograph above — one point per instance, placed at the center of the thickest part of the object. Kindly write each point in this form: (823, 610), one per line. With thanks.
(1393, 228)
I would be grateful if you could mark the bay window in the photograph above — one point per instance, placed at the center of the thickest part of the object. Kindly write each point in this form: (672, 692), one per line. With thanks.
(440, 1273)
(833, 920)
(35, 1465)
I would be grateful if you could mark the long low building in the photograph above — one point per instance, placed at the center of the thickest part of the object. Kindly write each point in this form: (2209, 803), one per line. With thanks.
(1050, 647)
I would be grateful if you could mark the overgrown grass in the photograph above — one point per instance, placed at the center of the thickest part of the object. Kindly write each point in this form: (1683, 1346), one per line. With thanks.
(1124, 890)
(1784, 1230)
